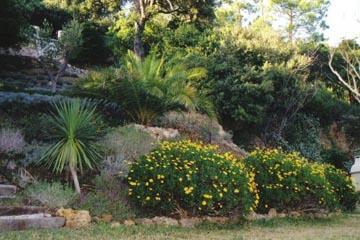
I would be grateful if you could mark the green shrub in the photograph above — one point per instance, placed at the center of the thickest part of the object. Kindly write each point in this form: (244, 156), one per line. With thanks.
(52, 195)
(109, 197)
(342, 186)
(287, 181)
(193, 178)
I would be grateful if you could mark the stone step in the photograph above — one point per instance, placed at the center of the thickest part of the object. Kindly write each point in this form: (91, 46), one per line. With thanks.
(15, 210)
(32, 221)
(7, 191)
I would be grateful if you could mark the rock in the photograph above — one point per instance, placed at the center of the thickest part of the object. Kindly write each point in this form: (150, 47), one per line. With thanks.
(75, 218)
(253, 216)
(115, 224)
(320, 215)
(129, 222)
(336, 213)
(272, 213)
(159, 133)
(107, 218)
(32, 221)
(217, 220)
(190, 222)
(10, 210)
(7, 191)
(165, 221)
(144, 221)
(294, 214)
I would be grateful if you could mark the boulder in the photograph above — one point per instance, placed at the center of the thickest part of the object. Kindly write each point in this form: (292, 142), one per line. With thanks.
(144, 221)
(320, 215)
(14, 210)
(272, 213)
(165, 221)
(159, 133)
(294, 214)
(115, 224)
(217, 220)
(7, 191)
(253, 216)
(129, 222)
(75, 218)
(106, 218)
(190, 222)
(32, 221)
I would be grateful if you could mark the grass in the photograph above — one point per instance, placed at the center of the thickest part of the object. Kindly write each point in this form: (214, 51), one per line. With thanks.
(340, 227)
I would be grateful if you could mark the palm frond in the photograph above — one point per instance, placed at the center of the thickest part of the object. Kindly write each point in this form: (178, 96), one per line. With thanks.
(152, 87)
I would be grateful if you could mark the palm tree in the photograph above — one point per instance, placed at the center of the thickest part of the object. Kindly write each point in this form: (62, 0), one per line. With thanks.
(74, 136)
(152, 87)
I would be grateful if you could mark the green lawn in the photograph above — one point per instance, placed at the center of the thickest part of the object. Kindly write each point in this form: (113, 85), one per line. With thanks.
(341, 227)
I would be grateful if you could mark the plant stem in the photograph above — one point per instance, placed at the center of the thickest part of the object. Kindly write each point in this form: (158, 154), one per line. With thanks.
(75, 179)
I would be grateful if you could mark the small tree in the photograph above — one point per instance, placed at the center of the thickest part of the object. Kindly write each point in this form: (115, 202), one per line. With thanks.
(74, 135)
(348, 73)
(67, 48)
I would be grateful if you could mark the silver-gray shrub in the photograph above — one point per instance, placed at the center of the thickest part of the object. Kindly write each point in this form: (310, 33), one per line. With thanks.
(51, 195)
(11, 141)
(123, 145)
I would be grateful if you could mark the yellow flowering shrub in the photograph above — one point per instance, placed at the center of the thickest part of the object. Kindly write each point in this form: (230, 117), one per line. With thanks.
(191, 177)
(287, 181)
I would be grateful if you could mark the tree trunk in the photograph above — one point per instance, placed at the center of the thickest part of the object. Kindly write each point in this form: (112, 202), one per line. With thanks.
(291, 26)
(138, 41)
(75, 179)
(58, 74)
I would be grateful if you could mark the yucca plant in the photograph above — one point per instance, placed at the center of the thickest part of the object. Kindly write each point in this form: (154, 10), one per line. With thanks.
(74, 136)
(152, 87)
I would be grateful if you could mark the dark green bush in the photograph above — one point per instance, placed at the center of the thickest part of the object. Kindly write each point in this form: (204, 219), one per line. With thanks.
(94, 50)
(303, 135)
(337, 158)
(191, 177)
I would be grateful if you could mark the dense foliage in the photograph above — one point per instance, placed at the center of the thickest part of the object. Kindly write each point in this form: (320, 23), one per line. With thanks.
(191, 178)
